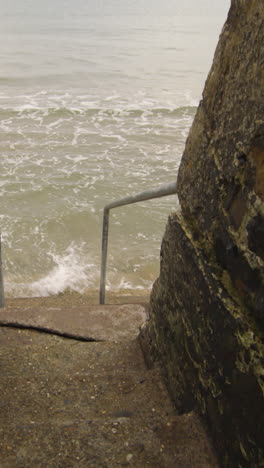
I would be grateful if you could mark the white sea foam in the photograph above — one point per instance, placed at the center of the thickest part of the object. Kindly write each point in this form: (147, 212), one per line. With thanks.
(100, 113)
(124, 284)
(71, 271)
(55, 124)
(64, 156)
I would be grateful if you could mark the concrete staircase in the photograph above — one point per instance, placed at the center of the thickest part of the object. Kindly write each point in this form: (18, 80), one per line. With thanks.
(75, 392)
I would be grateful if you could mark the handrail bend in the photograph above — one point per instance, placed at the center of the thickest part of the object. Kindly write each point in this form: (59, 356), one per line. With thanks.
(158, 192)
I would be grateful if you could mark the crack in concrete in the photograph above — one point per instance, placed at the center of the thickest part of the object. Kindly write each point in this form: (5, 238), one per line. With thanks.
(49, 331)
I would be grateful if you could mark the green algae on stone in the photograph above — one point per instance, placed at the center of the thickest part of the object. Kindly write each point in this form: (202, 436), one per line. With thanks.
(207, 307)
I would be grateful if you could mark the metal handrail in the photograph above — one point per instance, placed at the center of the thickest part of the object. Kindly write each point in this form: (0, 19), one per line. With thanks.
(2, 297)
(158, 192)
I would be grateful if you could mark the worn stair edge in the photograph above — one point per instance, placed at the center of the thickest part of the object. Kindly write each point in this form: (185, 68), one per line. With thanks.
(86, 323)
(67, 404)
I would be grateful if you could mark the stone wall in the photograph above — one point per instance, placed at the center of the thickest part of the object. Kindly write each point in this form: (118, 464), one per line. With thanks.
(207, 307)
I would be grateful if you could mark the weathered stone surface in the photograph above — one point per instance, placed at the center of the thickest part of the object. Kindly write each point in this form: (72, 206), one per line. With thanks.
(212, 352)
(207, 307)
(221, 177)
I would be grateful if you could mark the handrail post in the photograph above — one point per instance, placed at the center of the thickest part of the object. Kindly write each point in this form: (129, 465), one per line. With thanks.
(2, 299)
(161, 191)
(104, 255)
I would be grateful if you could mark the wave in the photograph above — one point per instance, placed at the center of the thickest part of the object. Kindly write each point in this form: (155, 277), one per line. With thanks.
(70, 271)
(64, 112)
(73, 272)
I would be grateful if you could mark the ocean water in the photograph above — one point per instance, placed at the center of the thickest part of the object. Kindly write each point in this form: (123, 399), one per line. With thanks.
(96, 101)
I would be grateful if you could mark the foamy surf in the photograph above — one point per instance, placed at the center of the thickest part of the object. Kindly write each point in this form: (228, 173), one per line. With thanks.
(95, 109)
(70, 271)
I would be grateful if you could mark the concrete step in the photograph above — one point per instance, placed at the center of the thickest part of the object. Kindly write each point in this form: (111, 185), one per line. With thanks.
(68, 403)
(87, 322)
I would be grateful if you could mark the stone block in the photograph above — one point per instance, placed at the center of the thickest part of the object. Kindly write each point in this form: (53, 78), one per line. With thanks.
(210, 348)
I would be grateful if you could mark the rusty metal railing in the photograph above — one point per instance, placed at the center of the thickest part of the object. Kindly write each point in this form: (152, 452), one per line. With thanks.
(158, 192)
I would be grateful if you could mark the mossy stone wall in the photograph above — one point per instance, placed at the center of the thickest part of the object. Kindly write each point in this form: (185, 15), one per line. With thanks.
(207, 307)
